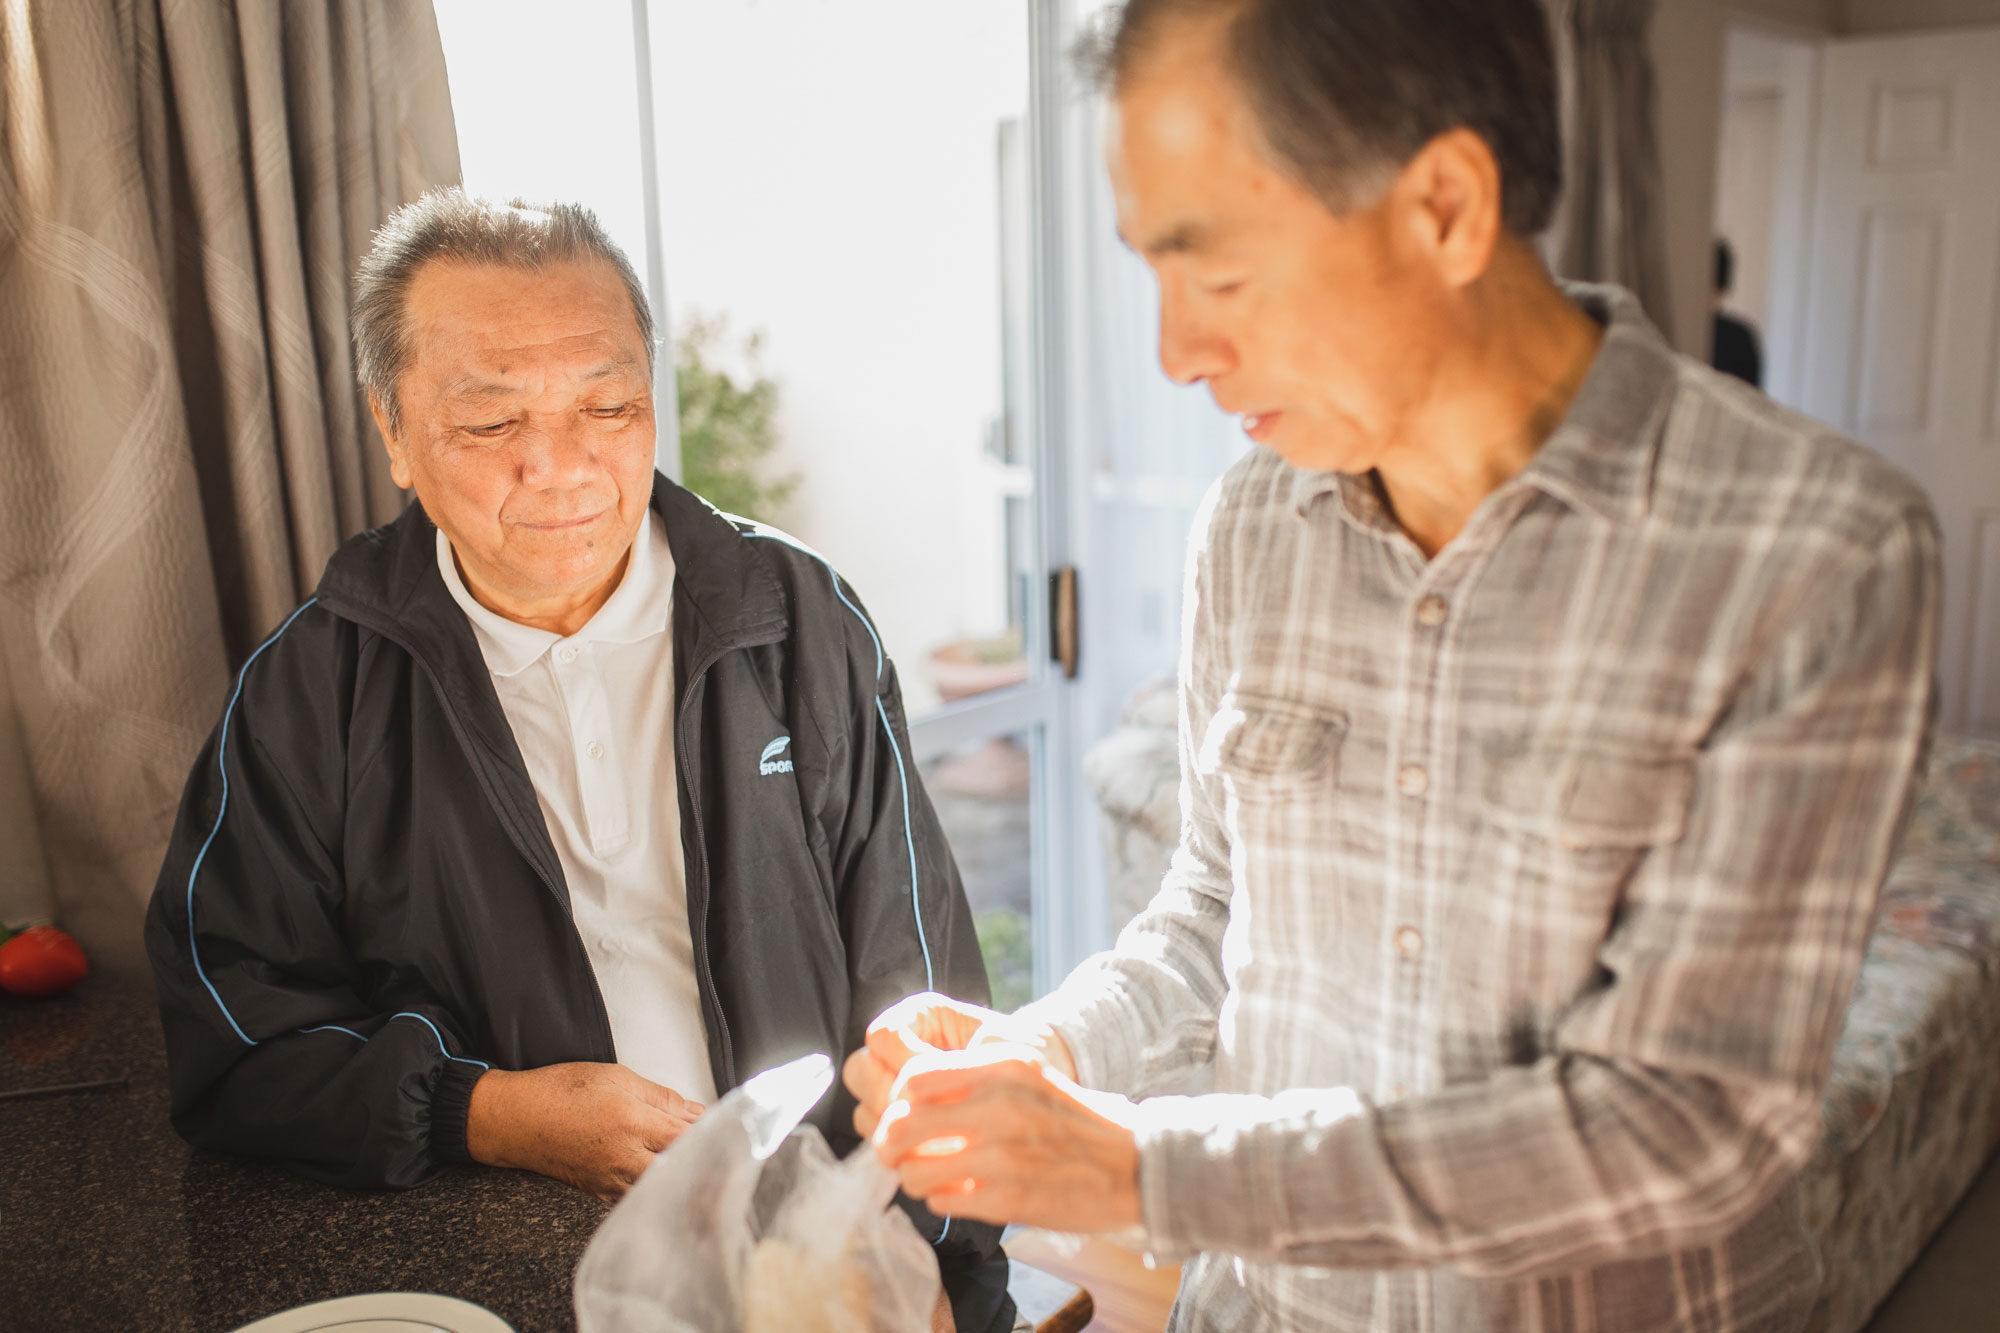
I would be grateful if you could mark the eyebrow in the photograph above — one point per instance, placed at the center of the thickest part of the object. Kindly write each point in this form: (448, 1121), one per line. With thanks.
(1180, 239)
(475, 388)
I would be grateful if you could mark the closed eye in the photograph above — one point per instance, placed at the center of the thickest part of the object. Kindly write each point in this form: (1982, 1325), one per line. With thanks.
(607, 413)
(489, 431)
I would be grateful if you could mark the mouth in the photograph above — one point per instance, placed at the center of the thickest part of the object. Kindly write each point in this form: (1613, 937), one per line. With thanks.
(1260, 425)
(562, 524)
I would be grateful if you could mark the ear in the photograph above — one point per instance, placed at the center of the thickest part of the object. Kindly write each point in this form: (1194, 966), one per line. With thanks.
(1451, 190)
(399, 462)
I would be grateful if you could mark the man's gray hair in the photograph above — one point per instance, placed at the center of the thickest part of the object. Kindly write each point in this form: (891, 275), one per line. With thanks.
(1346, 94)
(453, 226)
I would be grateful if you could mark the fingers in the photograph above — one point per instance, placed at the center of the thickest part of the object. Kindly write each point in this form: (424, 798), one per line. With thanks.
(946, 1177)
(930, 1134)
(868, 1079)
(893, 1047)
(662, 1098)
(928, 1020)
(949, 1076)
(971, 1103)
(621, 1174)
(654, 1129)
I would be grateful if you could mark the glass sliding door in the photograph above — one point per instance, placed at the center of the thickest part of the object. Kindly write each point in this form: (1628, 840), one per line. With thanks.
(905, 333)
(848, 216)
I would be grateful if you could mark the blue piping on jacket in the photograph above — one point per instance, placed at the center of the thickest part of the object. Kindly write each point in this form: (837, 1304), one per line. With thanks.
(442, 1048)
(221, 757)
(902, 775)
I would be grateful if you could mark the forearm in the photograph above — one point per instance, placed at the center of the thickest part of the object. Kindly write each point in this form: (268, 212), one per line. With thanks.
(1136, 1017)
(1571, 1163)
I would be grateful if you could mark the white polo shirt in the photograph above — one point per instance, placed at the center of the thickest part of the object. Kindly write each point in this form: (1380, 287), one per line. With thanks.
(594, 717)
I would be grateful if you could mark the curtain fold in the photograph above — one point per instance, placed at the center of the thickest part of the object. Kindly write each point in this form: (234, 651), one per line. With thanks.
(185, 188)
(1610, 225)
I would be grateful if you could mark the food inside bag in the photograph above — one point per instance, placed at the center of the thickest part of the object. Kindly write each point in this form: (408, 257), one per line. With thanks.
(749, 1224)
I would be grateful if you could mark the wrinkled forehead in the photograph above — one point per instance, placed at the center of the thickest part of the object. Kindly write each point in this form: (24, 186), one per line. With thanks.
(494, 321)
(1187, 163)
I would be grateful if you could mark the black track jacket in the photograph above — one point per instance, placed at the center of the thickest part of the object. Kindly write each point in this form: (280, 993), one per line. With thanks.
(361, 909)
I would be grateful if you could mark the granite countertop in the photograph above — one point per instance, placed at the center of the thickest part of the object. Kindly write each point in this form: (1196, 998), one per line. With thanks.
(108, 1220)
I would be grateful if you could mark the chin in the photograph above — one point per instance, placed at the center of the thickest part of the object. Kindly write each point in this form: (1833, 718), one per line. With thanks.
(562, 559)
(1317, 452)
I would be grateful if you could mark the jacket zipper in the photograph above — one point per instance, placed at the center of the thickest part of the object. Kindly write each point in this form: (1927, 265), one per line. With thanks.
(711, 998)
(704, 972)
(472, 757)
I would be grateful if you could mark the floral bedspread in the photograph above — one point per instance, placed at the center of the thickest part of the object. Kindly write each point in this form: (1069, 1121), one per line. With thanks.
(1913, 1109)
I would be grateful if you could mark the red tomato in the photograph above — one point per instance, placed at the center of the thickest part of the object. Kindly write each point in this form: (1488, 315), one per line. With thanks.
(41, 961)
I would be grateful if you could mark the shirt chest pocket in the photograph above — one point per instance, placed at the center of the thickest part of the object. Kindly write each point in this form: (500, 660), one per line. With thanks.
(1582, 795)
(1266, 749)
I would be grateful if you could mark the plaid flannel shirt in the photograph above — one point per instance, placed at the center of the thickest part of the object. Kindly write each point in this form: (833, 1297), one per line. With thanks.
(1521, 891)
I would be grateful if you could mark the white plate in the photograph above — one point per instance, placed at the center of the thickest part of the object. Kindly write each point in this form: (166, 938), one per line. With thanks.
(384, 1312)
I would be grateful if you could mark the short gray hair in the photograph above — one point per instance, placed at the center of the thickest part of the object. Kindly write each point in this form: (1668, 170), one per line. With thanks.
(454, 226)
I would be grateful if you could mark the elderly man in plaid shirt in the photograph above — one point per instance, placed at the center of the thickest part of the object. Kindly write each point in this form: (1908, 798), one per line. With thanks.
(1550, 708)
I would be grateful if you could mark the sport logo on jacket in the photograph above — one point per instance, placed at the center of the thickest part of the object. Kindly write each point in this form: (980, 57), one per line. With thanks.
(769, 763)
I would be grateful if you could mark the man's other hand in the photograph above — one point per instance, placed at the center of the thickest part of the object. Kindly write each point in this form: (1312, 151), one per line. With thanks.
(595, 1126)
(932, 1022)
(996, 1134)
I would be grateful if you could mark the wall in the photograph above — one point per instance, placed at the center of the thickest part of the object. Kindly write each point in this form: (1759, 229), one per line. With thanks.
(1688, 53)
(1810, 16)
(1764, 187)
(1867, 17)
(1687, 42)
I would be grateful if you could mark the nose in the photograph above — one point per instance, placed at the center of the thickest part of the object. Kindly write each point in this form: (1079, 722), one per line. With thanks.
(1190, 349)
(559, 456)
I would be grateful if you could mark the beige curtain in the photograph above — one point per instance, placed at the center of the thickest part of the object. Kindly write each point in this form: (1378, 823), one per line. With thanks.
(185, 188)
(1611, 225)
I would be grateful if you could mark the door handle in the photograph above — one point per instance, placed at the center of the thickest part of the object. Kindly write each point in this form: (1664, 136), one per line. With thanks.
(1063, 622)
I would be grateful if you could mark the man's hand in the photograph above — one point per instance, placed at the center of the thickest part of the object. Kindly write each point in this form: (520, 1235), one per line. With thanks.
(996, 1134)
(932, 1022)
(595, 1126)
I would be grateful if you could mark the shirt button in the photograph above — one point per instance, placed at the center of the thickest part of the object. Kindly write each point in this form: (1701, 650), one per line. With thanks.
(1431, 612)
(567, 652)
(1409, 941)
(1411, 780)
(594, 750)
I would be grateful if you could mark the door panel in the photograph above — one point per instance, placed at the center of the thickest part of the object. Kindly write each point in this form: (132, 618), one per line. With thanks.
(1891, 368)
(1903, 307)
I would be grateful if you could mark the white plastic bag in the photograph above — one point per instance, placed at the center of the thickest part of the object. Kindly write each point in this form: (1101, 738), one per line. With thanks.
(748, 1224)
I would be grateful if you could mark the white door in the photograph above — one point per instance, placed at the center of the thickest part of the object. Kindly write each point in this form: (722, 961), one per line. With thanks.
(1903, 306)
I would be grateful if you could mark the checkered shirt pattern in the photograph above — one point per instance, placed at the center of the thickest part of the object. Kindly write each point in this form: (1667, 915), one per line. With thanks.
(1521, 891)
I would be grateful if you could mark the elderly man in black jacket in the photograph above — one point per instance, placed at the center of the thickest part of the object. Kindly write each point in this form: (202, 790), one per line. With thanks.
(567, 802)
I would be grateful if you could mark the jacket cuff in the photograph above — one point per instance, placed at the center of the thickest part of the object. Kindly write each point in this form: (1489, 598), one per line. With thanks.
(451, 1100)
